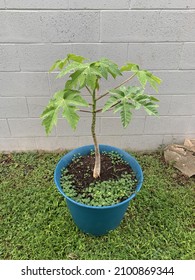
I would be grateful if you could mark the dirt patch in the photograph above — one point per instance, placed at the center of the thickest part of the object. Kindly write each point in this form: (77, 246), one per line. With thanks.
(82, 170)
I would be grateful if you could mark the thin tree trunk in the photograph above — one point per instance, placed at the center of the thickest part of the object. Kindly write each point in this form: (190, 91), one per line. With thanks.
(96, 171)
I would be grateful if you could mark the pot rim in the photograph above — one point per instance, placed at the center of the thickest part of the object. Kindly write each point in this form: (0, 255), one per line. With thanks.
(89, 148)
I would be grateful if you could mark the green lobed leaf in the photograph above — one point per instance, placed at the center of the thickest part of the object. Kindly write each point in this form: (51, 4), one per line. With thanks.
(76, 79)
(69, 113)
(110, 67)
(68, 100)
(142, 77)
(153, 80)
(129, 67)
(125, 113)
(73, 66)
(49, 117)
(150, 108)
(77, 58)
(91, 81)
(58, 64)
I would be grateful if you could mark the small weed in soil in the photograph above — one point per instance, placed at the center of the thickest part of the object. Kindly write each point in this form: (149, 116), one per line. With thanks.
(115, 184)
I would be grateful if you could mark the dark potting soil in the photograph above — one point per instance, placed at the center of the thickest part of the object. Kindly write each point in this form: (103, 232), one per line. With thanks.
(82, 171)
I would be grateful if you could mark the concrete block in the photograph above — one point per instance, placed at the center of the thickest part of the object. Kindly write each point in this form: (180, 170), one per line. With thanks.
(182, 105)
(26, 144)
(107, 140)
(24, 84)
(188, 56)
(20, 26)
(13, 107)
(101, 4)
(83, 128)
(2, 4)
(116, 52)
(8, 144)
(70, 27)
(165, 4)
(36, 4)
(30, 127)
(176, 82)
(7, 63)
(142, 142)
(42, 56)
(169, 125)
(4, 128)
(177, 139)
(148, 26)
(36, 105)
(113, 126)
(155, 56)
(54, 143)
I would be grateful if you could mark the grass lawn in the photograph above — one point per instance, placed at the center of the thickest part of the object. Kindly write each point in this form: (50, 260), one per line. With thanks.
(35, 222)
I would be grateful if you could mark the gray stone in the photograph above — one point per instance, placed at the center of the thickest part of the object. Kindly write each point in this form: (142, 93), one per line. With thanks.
(183, 105)
(37, 4)
(13, 107)
(165, 4)
(4, 128)
(20, 26)
(9, 58)
(176, 82)
(147, 26)
(113, 126)
(70, 26)
(188, 56)
(54, 143)
(41, 57)
(2, 4)
(142, 142)
(8, 144)
(169, 125)
(24, 84)
(100, 4)
(114, 51)
(155, 56)
(83, 128)
(30, 127)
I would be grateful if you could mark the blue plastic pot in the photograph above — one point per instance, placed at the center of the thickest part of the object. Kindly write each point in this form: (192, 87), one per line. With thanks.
(92, 219)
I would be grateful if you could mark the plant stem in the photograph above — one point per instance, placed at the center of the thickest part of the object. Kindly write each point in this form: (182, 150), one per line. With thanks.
(85, 111)
(124, 82)
(96, 170)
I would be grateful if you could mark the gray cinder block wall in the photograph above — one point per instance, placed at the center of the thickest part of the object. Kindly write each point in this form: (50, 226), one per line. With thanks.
(158, 35)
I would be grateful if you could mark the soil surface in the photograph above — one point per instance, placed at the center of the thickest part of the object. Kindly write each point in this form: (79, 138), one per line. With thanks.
(82, 170)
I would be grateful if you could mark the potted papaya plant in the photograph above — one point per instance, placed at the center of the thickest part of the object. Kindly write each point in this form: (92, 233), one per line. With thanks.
(98, 181)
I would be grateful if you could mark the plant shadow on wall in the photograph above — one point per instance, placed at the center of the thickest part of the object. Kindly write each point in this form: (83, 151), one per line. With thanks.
(101, 177)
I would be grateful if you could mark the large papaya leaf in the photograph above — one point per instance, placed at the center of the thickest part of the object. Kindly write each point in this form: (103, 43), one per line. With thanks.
(125, 113)
(77, 58)
(49, 116)
(69, 113)
(77, 79)
(68, 100)
(130, 67)
(125, 99)
(73, 66)
(59, 64)
(108, 66)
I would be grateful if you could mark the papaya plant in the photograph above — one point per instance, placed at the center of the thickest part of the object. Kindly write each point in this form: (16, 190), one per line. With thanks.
(85, 76)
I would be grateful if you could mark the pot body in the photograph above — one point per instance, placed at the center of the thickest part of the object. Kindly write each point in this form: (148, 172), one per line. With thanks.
(91, 219)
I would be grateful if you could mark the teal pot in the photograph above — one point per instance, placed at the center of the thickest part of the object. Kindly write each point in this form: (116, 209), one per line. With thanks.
(97, 220)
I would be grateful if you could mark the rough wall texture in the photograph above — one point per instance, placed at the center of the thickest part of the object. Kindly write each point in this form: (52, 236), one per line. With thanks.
(158, 35)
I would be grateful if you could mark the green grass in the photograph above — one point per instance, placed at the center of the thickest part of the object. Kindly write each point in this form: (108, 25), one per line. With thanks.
(35, 222)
